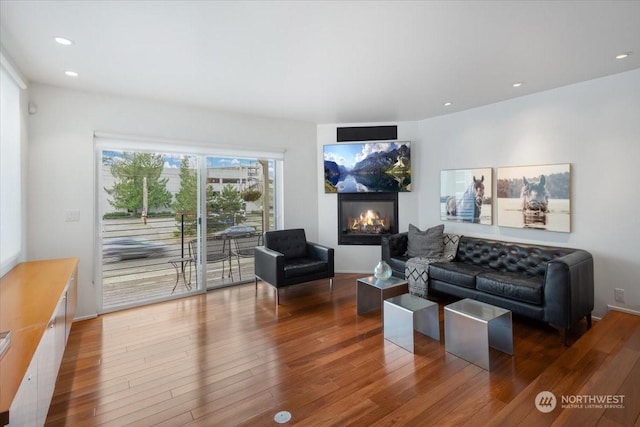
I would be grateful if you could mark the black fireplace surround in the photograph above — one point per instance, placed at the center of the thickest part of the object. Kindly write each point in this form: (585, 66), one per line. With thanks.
(363, 218)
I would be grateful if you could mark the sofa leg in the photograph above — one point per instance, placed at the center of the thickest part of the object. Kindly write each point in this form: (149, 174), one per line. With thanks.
(331, 284)
(589, 321)
(277, 297)
(563, 336)
(256, 285)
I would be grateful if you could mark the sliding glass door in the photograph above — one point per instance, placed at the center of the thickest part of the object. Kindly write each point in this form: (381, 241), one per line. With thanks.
(175, 223)
(148, 210)
(239, 208)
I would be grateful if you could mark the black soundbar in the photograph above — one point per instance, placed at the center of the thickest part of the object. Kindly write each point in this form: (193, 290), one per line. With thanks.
(367, 133)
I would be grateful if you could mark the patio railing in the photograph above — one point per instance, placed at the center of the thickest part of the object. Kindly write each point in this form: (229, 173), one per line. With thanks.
(137, 257)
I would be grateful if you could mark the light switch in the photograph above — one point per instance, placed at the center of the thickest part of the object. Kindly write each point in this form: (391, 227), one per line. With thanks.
(72, 215)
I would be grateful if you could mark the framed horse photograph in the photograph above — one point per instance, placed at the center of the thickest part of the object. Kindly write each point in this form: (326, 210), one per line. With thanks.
(465, 195)
(537, 197)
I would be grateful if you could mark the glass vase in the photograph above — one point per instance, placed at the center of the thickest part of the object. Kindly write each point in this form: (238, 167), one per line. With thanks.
(382, 271)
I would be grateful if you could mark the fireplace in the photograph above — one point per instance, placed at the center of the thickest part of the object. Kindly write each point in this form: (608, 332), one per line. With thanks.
(363, 218)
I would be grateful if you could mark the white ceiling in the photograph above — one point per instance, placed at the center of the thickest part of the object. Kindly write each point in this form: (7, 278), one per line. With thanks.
(324, 62)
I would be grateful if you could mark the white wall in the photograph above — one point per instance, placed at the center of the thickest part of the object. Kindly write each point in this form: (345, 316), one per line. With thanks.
(61, 164)
(594, 126)
(358, 259)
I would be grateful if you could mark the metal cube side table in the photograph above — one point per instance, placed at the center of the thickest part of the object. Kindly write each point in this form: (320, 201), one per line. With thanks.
(471, 327)
(406, 314)
(371, 292)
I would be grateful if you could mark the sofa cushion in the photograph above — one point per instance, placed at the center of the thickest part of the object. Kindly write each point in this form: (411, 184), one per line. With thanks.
(303, 267)
(397, 244)
(426, 243)
(508, 256)
(517, 286)
(458, 273)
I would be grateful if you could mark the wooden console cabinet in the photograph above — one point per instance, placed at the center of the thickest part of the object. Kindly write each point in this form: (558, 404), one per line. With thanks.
(38, 300)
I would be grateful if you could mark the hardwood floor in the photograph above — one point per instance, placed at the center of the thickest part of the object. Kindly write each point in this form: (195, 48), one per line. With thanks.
(230, 357)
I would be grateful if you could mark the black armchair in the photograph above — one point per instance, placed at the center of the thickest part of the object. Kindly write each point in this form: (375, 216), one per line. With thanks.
(287, 258)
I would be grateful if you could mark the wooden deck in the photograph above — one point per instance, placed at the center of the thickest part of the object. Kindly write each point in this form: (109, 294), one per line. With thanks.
(143, 281)
(231, 357)
(130, 282)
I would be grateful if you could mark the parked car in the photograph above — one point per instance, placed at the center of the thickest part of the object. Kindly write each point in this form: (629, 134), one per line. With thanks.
(131, 248)
(235, 231)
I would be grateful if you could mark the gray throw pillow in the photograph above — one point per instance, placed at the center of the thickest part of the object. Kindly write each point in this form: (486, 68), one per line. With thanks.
(426, 243)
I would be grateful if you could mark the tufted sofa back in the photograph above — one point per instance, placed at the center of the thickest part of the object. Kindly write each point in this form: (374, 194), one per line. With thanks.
(506, 256)
(291, 243)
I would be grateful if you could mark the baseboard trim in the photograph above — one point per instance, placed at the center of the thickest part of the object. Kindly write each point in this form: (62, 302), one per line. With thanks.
(624, 310)
(90, 316)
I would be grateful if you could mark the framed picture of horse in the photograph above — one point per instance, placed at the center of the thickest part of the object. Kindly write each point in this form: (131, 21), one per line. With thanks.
(465, 195)
(537, 197)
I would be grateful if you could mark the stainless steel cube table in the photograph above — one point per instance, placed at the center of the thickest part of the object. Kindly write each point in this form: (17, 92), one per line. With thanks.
(406, 314)
(370, 292)
(471, 327)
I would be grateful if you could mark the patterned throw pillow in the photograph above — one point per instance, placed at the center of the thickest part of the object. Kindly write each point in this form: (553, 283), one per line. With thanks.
(428, 243)
(450, 242)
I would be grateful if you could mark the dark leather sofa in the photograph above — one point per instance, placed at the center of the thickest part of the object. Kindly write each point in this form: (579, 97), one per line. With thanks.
(287, 258)
(551, 284)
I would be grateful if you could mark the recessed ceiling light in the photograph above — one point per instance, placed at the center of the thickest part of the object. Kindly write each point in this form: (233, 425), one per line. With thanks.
(71, 73)
(447, 104)
(63, 41)
(517, 84)
(623, 55)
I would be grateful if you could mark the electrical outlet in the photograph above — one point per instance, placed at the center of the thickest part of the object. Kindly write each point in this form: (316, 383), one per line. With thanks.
(618, 294)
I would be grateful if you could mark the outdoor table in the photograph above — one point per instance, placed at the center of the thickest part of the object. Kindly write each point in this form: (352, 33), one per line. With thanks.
(180, 265)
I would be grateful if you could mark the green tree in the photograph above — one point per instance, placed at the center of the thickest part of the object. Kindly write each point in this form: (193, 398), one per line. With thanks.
(129, 173)
(187, 198)
(227, 208)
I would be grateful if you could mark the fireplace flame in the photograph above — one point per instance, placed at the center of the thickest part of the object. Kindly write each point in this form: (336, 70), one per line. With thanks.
(369, 222)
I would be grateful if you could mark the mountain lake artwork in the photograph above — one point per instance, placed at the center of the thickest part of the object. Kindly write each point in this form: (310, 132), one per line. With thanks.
(367, 167)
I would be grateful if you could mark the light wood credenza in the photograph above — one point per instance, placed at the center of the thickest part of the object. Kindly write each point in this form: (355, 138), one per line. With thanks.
(38, 300)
